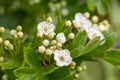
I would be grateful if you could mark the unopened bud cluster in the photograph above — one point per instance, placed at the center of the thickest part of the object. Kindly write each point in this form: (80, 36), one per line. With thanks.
(17, 33)
(78, 70)
(8, 45)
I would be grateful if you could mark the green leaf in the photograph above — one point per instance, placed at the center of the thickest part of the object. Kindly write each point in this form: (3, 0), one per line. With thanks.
(31, 57)
(67, 31)
(102, 7)
(38, 77)
(44, 71)
(60, 74)
(47, 70)
(91, 4)
(59, 27)
(113, 57)
(96, 53)
(25, 73)
(76, 52)
(79, 40)
(91, 45)
(11, 63)
(109, 41)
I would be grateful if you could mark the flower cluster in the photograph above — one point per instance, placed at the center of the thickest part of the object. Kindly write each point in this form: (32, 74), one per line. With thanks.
(54, 47)
(52, 43)
(12, 46)
(94, 29)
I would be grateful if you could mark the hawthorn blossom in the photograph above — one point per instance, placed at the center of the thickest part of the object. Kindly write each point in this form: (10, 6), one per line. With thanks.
(45, 27)
(61, 38)
(81, 22)
(62, 57)
(95, 32)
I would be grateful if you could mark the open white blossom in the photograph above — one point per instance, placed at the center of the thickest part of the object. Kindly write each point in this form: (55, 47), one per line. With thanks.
(81, 22)
(62, 57)
(95, 32)
(45, 27)
(61, 38)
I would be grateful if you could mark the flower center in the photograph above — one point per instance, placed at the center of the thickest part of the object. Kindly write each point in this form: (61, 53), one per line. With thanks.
(45, 29)
(62, 58)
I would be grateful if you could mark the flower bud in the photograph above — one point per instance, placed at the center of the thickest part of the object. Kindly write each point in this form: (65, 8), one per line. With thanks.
(77, 25)
(15, 36)
(1, 40)
(19, 28)
(76, 75)
(63, 3)
(11, 47)
(2, 29)
(72, 65)
(59, 45)
(79, 69)
(71, 36)
(49, 19)
(13, 32)
(20, 34)
(51, 35)
(95, 19)
(58, 6)
(84, 67)
(45, 42)
(4, 77)
(87, 15)
(48, 52)
(40, 34)
(53, 48)
(53, 42)
(106, 23)
(41, 49)
(64, 11)
(68, 23)
(1, 59)
(6, 42)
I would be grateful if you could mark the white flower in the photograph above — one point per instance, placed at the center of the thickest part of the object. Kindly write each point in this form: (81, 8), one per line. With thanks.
(45, 27)
(61, 38)
(62, 57)
(81, 22)
(95, 32)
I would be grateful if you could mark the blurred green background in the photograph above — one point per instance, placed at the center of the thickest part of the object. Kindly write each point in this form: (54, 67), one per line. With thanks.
(29, 13)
